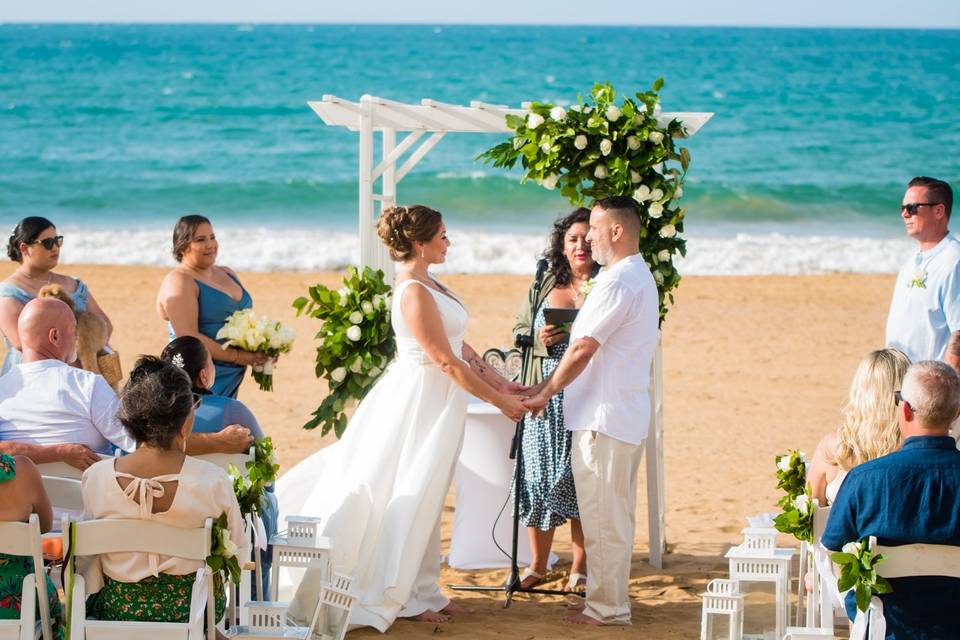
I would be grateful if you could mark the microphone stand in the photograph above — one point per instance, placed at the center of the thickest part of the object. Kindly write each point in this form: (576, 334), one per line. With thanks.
(513, 583)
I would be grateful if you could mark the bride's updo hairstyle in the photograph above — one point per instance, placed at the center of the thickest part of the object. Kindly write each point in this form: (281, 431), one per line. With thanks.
(401, 227)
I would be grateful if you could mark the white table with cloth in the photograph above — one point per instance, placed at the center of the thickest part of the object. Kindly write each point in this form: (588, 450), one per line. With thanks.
(483, 481)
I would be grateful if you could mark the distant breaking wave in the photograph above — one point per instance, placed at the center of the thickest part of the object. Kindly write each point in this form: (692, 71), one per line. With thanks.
(311, 249)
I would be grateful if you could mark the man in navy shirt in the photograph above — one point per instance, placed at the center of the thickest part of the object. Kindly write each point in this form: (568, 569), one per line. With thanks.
(910, 496)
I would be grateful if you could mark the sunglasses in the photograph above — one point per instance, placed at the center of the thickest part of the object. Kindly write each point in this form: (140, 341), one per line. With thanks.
(914, 207)
(197, 399)
(898, 398)
(50, 243)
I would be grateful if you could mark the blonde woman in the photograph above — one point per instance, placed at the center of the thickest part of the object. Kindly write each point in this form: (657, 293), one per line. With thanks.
(869, 427)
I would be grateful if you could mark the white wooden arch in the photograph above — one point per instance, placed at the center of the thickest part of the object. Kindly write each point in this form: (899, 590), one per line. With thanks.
(427, 123)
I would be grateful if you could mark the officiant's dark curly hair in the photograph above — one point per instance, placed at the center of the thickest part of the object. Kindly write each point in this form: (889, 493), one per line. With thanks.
(401, 227)
(558, 264)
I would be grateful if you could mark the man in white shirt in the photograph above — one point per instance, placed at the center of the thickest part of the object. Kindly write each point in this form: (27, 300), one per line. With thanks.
(926, 297)
(606, 372)
(52, 412)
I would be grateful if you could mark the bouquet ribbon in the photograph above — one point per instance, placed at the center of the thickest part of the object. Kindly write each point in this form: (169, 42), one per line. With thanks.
(259, 531)
(870, 624)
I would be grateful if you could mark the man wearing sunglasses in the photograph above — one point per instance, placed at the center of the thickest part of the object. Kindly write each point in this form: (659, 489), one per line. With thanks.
(925, 308)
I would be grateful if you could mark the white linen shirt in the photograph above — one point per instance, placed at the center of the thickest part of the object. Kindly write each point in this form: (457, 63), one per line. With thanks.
(921, 319)
(49, 402)
(611, 395)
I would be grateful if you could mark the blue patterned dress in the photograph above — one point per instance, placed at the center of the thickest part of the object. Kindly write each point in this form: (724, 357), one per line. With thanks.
(547, 494)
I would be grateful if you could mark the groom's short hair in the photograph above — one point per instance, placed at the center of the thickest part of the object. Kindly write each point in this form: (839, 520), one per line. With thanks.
(623, 211)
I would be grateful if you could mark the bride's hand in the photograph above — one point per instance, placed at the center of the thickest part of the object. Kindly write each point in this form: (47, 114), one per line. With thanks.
(514, 388)
(512, 407)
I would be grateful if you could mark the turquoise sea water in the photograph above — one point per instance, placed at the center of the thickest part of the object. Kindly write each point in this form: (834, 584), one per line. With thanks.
(111, 126)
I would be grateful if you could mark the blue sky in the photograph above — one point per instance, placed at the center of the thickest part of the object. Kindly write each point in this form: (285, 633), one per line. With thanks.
(843, 13)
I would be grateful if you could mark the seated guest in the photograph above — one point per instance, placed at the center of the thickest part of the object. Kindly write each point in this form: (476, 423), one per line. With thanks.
(156, 482)
(910, 496)
(869, 427)
(50, 411)
(45, 402)
(216, 413)
(21, 494)
(35, 244)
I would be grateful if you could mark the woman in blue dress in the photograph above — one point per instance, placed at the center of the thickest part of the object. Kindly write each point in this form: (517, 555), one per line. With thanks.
(198, 296)
(35, 245)
(547, 494)
(216, 413)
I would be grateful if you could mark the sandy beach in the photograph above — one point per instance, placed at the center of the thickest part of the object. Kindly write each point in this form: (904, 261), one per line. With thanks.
(754, 366)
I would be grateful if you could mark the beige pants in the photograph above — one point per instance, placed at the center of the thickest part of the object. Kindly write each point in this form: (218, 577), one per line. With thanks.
(605, 475)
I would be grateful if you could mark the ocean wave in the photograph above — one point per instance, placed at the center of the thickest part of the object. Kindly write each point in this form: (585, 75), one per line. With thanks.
(313, 249)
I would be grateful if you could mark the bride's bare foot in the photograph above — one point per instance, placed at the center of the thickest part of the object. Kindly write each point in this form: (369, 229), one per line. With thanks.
(430, 616)
(453, 608)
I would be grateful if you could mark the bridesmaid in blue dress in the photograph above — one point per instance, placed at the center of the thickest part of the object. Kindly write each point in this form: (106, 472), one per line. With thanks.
(217, 413)
(198, 296)
(35, 245)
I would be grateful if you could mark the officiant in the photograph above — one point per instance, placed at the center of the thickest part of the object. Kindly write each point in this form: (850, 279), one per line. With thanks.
(547, 495)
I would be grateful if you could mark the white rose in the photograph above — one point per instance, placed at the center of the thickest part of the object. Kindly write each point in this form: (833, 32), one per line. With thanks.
(635, 176)
(354, 332)
(518, 142)
(229, 548)
(357, 365)
(338, 374)
(344, 295)
(356, 317)
(633, 143)
(575, 107)
(642, 194)
(853, 548)
(656, 195)
(374, 372)
(784, 463)
(658, 277)
(600, 172)
(613, 113)
(580, 142)
(545, 147)
(663, 255)
(550, 181)
(367, 306)
(606, 146)
(668, 231)
(558, 114)
(534, 120)
(802, 503)
(656, 137)
(655, 210)
(380, 300)
(678, 193)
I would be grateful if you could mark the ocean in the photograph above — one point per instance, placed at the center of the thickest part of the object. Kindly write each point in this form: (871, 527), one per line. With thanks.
(114, 131)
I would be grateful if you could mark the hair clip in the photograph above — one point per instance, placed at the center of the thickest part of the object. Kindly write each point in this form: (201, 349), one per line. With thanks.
(177, 359)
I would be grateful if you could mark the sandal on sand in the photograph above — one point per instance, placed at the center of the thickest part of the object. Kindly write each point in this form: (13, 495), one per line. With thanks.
(577, 583)
(530, 573)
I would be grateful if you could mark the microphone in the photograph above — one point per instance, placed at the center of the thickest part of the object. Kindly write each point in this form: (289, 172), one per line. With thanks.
(541, 269)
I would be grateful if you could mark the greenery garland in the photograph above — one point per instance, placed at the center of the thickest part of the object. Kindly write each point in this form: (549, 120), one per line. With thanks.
(356, 342)
(604, 147)
(261, 472)
(797, 516)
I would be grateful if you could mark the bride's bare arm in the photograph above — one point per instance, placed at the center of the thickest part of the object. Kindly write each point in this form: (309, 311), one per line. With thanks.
(420, 312)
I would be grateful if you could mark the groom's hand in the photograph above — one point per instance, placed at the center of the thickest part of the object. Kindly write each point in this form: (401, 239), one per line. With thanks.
(514, 388)
(535, 404)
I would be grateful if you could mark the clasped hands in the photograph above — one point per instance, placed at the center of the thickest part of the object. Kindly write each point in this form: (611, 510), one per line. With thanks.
(524, 399)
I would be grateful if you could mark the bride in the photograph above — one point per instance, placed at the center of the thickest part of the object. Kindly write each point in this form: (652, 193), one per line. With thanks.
(380, 489)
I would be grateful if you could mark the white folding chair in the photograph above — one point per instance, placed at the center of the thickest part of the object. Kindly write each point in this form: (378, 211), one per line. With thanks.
(95, 537)
(64, 470)
(64, 493)
(23, 539)
(224, 460)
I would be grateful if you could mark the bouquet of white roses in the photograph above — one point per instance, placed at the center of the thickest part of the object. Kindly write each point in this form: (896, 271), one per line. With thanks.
(247, 332)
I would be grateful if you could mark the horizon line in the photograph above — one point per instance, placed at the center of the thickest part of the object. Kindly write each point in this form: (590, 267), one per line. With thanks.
(307, 23)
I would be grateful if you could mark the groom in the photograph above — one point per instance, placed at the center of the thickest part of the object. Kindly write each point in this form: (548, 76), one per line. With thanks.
(606, 373)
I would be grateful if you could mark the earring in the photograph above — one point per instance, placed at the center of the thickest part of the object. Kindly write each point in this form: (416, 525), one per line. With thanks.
(421, 253)
(183, 446)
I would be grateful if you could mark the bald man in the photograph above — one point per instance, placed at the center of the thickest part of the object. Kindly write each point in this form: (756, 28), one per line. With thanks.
(606, 373)
(50, 411)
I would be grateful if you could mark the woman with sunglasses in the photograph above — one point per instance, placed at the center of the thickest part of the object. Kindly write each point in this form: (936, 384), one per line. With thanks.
(35, 245)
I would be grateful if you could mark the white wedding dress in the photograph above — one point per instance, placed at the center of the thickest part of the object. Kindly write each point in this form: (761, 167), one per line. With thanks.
(381, 488)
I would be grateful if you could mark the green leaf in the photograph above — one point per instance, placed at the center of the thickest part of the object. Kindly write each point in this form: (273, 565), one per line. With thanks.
(847, 578)
(863, 597)
(658, 84)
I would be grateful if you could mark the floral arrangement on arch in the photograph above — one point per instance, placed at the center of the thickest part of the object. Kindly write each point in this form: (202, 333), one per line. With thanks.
(797, 504)
(355, 342)
(604, 147)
